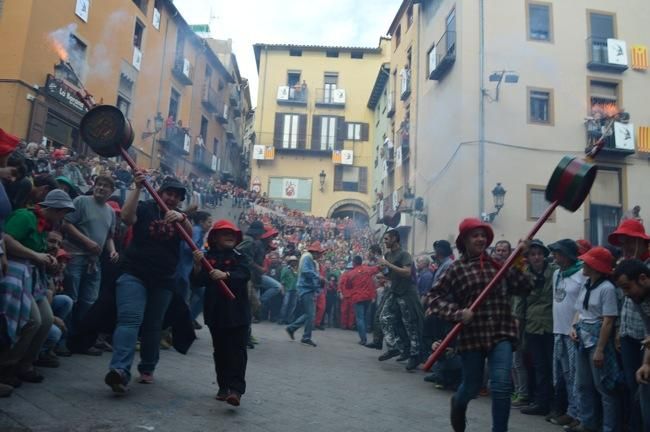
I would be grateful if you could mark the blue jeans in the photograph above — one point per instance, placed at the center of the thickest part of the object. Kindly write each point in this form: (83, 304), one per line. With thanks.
(82, 286)
(138, 305)
(270, 288)
(360, 311)
(588, 382)
(540, 347)
(632, 358)
(499, 366)
(61, 307)
(564, 371)
(196, 301)
(307, 317)
(288, 306)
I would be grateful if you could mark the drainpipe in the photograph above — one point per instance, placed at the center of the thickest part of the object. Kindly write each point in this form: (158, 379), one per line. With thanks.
(417, 125)
(481, 112)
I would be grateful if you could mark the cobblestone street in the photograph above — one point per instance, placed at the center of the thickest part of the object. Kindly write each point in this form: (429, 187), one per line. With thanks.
(338, 386)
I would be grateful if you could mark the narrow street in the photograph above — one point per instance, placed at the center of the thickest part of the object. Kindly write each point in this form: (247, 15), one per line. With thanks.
(338, 386)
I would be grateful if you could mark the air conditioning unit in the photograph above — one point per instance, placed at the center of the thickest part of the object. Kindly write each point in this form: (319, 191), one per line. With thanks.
(338, 96)
(283, 93)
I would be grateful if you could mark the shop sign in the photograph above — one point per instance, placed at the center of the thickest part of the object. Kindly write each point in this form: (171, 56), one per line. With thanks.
(64, 94)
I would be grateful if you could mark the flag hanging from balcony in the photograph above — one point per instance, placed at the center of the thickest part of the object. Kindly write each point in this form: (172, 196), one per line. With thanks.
(258, 152)
(269, 153)
(639, 57)
(643, 140)
(624, 135)
(337, 157)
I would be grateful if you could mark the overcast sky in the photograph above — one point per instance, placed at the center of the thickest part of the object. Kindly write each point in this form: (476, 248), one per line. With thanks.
(319, 22)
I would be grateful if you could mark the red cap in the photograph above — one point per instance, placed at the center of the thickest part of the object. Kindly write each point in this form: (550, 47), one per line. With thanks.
(583, 246)
(315, 247)
(468, 225)
(269, 232)
(8, 143)
(224, 224)
(599, 259)
(630, 228)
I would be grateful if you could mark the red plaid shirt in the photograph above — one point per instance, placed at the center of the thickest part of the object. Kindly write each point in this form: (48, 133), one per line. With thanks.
(462, 284)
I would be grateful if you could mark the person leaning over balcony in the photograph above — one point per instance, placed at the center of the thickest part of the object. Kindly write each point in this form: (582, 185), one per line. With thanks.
(490, 332)
(593, 328)
(633, 277)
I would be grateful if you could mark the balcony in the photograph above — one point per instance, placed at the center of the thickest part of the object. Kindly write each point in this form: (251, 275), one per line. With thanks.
(204, 159)
(619, 144)
(405, 141)
(405, 91)
(443, 56)
(390, 105)
(293, 95)
(230, 131)
(176, 139)
(234, 95)
(236, 109)
(606, 55)
(210, 99)
(183, 71)
(221, 113)
(167, 161)
(330, 98)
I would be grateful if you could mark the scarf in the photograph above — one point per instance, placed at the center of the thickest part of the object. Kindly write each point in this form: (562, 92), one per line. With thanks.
(590, 288)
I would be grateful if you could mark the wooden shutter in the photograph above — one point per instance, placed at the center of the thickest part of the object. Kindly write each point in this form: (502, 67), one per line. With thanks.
(278, 130)
(37, 122)
(364, 131)
(363, 180)
(338, 177)
(315, 132)
(341, 132)
(302, 131)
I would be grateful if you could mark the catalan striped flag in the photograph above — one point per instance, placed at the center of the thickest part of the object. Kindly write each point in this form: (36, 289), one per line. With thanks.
(337, 157)
(639, 57)
(269, 153)
(643, 140)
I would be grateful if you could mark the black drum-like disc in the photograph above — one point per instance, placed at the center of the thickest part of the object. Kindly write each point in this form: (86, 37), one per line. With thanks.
(106, 130)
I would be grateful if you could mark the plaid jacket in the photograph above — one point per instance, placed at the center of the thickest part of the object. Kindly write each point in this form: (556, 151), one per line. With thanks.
(462, 284)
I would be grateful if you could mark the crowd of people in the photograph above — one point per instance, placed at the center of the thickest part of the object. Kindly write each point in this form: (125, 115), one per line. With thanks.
(90, 264)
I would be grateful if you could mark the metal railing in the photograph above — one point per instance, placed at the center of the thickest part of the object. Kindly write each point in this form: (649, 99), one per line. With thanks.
(292, 94)
(598, 54)
(330, 96)
(183, 70)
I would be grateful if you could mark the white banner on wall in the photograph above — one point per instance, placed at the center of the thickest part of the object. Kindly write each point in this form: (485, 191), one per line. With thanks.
(82, 9)
(289, 188)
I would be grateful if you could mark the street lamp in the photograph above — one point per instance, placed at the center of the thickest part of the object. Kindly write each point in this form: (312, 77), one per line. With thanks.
(499, 194)
(321, 178)
(158, 123)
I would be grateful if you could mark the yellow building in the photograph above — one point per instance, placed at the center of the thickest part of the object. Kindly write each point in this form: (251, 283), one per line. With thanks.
(313, 140)
(396, 119)
(139, 55)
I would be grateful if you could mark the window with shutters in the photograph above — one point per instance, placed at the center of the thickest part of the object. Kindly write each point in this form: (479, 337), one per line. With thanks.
(350, 179)
(537, 203)
(357, 131)
(328, 133)
(290, 131)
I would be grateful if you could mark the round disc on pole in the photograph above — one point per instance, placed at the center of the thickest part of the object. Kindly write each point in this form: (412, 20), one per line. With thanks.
(106, 130)
(571, 182)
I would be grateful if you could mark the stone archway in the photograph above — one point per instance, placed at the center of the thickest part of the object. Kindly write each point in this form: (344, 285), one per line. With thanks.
(355, 209)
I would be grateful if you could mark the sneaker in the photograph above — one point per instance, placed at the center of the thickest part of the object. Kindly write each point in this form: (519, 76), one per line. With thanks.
(62, 351)
(92, 351)
(197, 326)
(413, 363)
(48, 360)
(103, 345)
(290, 333)
(374, 345)
(431, 378)
(145, 378)
(363, 343)
(233, 398)
(222, 394)
(402, 357)
(388, 355)
(116, 380)
(562, 420)
(519, 402)
(253, 340)
(30, 376)
(320, 327)
(6, 390)
(164, 344)
(457, 417)
(308, 342)
(535, 409)
(577, 428)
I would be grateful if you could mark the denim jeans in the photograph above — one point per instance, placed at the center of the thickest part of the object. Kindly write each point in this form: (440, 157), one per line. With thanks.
(288, 306)
(564, 371)
(307, 317)
(61, 308)
(360, 312)
(499, 367)
(540, 347)
(644, 401)
(82, 286)
(270, 288)
(632, 357)
(138, 305)
(588, 382)
(196, 301)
